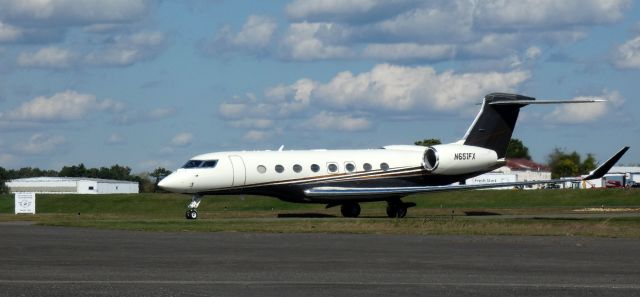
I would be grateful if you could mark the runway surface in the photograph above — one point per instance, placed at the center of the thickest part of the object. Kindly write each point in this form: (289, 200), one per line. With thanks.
(52, 261)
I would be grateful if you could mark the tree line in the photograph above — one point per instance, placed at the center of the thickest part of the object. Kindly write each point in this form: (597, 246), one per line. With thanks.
(561, 162)
(148, 181)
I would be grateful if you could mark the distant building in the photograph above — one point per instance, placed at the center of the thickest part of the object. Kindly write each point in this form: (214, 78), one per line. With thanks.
(515, 170)
(72, 185)
(618, 176)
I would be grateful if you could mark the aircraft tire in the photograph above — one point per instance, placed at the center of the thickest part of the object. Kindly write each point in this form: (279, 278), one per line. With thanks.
(191, 214)
(395, 210)
(350, 210)
(392, 211)
(402, 212)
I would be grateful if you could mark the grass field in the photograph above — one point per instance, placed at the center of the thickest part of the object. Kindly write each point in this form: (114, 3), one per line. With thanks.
(441, 213)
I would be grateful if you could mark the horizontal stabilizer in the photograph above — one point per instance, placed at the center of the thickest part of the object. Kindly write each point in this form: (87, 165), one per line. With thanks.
(525, 102)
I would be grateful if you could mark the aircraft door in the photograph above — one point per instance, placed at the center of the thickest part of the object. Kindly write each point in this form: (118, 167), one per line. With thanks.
(239, 171)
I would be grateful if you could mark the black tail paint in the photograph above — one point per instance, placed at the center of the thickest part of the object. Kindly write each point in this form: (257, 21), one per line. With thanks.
(494, 124)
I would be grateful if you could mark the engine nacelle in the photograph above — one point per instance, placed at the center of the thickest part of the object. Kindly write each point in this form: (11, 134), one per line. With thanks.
(450, 159)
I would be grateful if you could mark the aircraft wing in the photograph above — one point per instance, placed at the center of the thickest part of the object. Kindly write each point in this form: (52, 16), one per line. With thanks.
(355, 191)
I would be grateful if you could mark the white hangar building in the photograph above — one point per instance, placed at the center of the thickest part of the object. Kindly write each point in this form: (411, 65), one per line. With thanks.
(72, 185)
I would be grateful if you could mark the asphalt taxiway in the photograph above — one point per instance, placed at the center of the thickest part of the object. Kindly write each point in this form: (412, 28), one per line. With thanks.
(55, 261)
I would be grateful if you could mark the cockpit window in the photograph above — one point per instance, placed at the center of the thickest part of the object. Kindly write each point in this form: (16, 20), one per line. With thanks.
(200, 164)
(192, 164)
(210, 164)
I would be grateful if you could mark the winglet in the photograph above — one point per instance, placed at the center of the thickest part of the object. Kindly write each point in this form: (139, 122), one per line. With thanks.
(604, 168)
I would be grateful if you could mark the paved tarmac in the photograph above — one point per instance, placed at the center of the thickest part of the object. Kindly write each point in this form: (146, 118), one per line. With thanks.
(55, 261)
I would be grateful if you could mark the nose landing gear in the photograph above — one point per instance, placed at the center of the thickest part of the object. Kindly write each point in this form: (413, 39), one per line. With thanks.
(192, 213)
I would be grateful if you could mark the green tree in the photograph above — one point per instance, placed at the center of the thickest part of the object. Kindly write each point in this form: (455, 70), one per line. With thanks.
(121, 172)
(517, 150)
(428, 142)
(565, 164)
(4, 176)
(159, 173)
(588, 164)
(73, 171)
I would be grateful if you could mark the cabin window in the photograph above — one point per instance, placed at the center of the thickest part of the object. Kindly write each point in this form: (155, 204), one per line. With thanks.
(297, 168)
(192, 164)
(384, 166)
(366, 167)
(279, 168)
(350, 167)
(262, 169)
(91, 188)
(332, 167)
(315, 167)
(209, 164)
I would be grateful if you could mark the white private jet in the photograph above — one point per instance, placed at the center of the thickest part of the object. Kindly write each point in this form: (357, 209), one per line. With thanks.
(348, 177)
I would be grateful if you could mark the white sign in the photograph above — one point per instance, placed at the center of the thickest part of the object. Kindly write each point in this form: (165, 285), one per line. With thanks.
(26, 203)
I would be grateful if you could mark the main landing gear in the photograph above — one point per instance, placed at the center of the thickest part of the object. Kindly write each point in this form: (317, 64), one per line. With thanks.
(350, 210)
(192, 213)
(397, 208)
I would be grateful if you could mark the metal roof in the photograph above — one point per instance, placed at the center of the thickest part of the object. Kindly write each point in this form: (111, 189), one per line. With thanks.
(47, 179)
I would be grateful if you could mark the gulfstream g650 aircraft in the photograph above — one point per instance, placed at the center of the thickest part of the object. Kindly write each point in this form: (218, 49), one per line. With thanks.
(348, 177)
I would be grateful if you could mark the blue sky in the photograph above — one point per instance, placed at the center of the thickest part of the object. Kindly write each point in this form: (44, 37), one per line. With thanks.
(151, 83)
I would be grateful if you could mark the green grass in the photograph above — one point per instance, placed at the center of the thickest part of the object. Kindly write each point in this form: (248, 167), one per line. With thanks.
(432, 215)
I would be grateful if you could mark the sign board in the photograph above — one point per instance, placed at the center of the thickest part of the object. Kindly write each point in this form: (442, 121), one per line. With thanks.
(25, 203)
(493, 178)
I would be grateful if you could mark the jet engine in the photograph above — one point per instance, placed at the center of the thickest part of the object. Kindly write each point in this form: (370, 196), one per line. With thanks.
(451, 159)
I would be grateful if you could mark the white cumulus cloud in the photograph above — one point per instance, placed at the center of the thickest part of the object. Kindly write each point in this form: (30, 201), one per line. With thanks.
(533, 53)
(47, 57)
(64, 106)
(345, 10)
(161, 113)
(410, 31)
(586, 112)
(348, 101)
(9, 33)
(544, 14)
(72, 12)
(40, 143)
(627, 55)
(182, 139)
(255, 135)
(337, 122)
(410, 51)
(399, 88)
(311, 41)
(255, 36)
(128, 49)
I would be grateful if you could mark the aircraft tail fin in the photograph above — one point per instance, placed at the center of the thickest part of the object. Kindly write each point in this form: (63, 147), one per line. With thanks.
(494, 124)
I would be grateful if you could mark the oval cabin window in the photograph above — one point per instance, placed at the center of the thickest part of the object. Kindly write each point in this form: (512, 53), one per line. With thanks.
(332, 167)
(384, 166)
(315, 167)
(279, 168)
(262, 169)
(367, 167)
(297, 168)
(350, 167)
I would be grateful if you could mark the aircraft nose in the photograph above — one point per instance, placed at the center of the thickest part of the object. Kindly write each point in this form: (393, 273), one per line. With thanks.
(171, 183)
